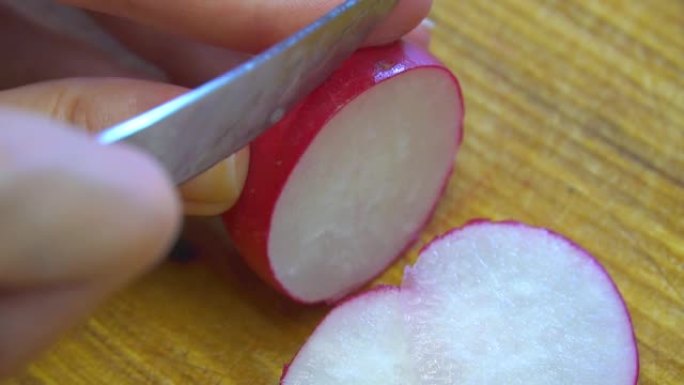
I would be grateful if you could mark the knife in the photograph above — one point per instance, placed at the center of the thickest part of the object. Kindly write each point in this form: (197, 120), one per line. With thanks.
(196, 130)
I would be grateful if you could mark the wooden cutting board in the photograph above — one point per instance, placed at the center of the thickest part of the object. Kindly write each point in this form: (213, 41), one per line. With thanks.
(575, 121)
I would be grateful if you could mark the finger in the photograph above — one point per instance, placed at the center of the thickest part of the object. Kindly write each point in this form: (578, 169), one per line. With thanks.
(95, 104)
(406, 17)
(32, 320)
(71, 231)
(185, 61)
(33, 53)
(74, 211)
(248, 26)
(218, 189)
(171, 52)
(422, 34)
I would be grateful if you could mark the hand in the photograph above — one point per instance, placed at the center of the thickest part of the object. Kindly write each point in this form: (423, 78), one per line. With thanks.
(77, 220)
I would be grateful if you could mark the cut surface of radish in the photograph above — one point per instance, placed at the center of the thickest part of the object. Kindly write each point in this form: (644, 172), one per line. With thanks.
(368, 325)
(342, 185)
(365, 182)
(493, 303)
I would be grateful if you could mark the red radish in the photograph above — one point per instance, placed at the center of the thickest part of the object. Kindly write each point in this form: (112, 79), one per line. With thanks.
(342, 184)
(490, 303)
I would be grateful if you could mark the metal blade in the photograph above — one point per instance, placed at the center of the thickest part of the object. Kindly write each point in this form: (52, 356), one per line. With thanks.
(196, 130)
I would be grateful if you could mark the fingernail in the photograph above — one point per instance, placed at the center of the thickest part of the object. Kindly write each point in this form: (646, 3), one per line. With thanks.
(218, 189)
(237, 169)
(428, 24)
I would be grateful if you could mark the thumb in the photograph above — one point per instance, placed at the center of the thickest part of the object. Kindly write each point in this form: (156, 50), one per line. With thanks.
(77, 221)
(94, 104)
(72, 210)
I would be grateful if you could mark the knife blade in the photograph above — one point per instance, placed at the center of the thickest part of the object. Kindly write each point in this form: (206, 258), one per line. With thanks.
(196, 130)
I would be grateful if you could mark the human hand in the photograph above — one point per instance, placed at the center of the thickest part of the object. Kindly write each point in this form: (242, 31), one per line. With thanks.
(78, 221)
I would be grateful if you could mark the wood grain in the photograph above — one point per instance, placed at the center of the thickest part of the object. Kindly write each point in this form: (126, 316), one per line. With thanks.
(575, 121)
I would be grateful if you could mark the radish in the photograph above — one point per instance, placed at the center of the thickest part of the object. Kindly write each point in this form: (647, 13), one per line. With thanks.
(342, 184)
(490, 303)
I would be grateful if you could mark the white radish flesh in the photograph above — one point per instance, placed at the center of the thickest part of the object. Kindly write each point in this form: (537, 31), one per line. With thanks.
(370, 177)
(363, 337)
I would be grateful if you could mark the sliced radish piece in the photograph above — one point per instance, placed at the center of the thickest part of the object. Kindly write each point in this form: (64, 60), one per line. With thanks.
(367, 342)
(490, 303)
(342, 184)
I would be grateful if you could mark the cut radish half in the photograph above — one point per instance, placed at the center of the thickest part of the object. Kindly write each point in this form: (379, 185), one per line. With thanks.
(490, 303)
(342, 184)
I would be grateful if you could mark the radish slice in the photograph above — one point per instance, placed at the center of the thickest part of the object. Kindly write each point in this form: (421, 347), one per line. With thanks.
(341, 186)
(490, 303)
(368, 325)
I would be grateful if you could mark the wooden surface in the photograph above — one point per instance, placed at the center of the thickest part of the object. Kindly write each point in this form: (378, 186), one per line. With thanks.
(575, 121)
